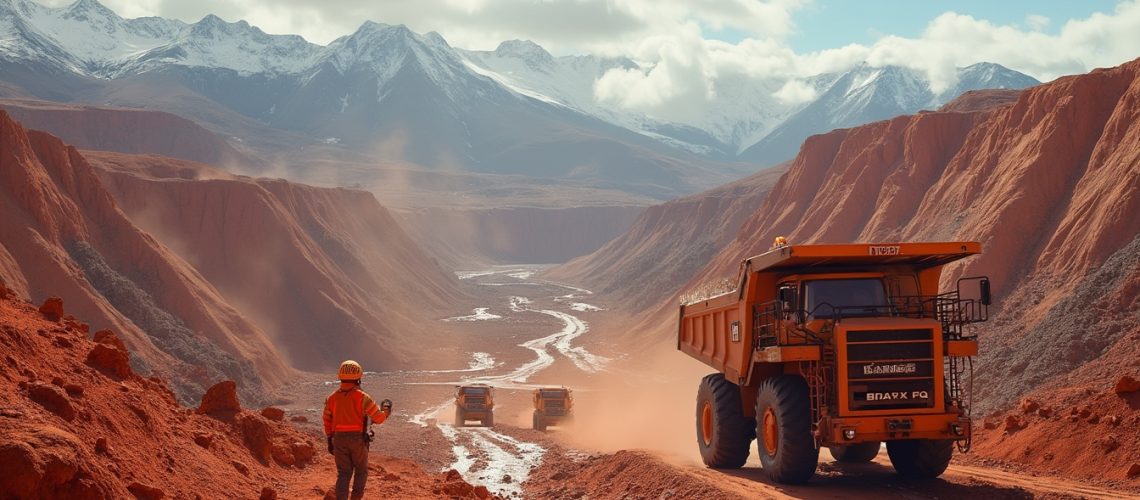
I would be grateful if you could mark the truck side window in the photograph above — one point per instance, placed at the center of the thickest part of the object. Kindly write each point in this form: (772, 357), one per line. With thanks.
(788, 300)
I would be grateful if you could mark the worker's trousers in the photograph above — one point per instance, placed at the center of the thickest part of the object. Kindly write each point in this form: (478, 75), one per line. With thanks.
(351, 455)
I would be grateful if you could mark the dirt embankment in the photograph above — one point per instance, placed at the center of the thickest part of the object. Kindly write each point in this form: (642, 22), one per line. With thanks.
(77, 422)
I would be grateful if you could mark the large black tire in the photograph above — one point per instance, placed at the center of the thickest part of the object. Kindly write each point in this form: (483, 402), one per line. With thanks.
(783, 429)
(723, 433)
(856, 453)
(539, 422)
(920, 458)
(489, 420)
(459, 419)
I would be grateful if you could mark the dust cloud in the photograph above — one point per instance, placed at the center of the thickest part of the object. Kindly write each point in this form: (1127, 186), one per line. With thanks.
(649, 406)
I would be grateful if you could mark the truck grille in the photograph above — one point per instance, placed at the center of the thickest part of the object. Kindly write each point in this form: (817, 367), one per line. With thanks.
(554, 407)
(890, 369)
(475, 401)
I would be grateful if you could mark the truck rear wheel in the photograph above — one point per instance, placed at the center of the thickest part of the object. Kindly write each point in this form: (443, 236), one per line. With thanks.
(920, 458)
(539, 423)
(723, 433)
(783, 430)
(855, 453)
(459, 419)
(489, 420)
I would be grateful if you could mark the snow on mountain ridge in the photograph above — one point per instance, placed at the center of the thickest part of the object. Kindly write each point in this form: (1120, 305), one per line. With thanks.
(214, 43)
(384, 50)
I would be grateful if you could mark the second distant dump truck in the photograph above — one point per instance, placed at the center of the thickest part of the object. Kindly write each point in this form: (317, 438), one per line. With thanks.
(838, 346)
(552, 406)
(474, 402)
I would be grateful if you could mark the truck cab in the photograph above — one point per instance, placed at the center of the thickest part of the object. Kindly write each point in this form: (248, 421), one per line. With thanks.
(838, 346)
(552, 406)
(474, 402)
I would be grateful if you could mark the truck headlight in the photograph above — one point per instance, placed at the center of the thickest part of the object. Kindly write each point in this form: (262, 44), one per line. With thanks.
(848, 434)
(957, 430)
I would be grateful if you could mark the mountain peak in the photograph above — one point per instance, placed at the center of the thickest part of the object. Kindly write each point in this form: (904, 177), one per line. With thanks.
(212, 24)
(85, 9)
(525, 49)
(370, 27)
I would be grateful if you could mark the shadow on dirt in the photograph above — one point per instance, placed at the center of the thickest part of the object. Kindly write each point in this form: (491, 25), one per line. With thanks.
(875, 480)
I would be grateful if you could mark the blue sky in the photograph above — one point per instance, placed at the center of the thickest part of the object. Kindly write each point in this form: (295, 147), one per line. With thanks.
(826, 25)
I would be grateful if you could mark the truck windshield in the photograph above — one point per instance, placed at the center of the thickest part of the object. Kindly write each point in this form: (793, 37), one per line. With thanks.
(849, 297)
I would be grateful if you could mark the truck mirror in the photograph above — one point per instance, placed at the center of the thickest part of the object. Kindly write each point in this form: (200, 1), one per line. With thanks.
(787, 295)
(984, 286)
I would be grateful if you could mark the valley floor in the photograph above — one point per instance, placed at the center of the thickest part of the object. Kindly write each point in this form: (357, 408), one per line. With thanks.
(531, 333)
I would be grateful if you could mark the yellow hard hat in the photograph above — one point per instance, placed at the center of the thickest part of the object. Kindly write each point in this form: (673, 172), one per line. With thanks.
(350, 370)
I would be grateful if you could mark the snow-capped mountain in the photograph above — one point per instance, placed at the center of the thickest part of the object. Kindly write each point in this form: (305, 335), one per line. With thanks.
(743, 106)
(517, 109)
(745, 119)
(866, 94)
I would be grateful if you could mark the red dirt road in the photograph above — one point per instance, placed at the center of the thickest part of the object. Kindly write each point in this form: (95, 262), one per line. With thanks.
(617, 412)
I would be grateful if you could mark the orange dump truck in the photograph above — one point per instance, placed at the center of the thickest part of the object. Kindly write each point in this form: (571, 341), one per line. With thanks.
(843, 346)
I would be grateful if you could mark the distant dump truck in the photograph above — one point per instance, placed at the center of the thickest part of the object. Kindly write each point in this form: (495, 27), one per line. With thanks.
(843, 346)
(474, 402)
(552, 406)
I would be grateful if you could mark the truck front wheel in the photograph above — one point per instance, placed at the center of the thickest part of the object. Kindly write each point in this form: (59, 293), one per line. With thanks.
(920, 458)
(855, 453)
(783, 430)
(723, 433)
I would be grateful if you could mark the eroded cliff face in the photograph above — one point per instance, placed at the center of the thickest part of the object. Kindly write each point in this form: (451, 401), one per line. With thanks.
(1050, 185)
(63, 234)
(326, 273)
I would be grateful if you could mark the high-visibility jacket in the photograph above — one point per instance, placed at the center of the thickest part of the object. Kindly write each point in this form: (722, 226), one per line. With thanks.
(345, 410)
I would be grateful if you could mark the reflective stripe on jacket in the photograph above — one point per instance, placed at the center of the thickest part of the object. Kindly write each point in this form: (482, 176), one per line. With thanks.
(345, 410)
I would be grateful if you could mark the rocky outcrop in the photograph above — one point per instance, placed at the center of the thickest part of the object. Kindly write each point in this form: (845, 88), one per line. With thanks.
(44, 461)
(88, 435)
(220, 398)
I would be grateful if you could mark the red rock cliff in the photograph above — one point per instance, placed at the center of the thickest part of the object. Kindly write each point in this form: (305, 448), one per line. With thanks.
(326, 272)
(63, 234)
(1050, 185)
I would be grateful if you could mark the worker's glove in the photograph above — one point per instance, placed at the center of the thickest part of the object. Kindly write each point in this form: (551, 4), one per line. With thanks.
(386, 405)
(330, 445)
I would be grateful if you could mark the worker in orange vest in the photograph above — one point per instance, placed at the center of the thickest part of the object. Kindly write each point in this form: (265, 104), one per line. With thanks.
(346, 411)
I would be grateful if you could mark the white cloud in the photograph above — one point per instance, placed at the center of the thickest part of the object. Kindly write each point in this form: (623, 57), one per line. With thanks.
(1036, 22)
(795, 92)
